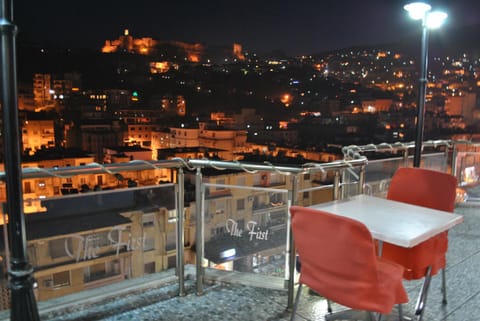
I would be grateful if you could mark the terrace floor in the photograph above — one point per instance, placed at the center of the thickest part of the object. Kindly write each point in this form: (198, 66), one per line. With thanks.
(236, 297)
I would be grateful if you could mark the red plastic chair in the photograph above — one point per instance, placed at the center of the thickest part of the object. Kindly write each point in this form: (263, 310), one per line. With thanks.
(338, 261)
(428, 188)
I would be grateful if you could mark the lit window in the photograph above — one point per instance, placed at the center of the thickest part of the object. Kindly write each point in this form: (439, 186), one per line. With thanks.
(61, 279)
(240, 204)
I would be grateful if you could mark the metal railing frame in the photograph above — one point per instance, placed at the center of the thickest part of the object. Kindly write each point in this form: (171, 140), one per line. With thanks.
(293, 172)
(353, 158)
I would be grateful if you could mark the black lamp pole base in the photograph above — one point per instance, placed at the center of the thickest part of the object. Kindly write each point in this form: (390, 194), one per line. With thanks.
(23, 304)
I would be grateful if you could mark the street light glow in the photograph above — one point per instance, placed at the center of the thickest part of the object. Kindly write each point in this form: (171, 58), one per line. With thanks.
(417, 10)
(421, 11)
(435, 19)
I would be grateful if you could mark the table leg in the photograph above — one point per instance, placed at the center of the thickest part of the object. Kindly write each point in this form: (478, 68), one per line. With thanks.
(380, 247)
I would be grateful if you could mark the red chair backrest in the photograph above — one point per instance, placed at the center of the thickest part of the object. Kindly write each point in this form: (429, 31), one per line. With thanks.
(423, 187)
(337, 256)
(428, 188)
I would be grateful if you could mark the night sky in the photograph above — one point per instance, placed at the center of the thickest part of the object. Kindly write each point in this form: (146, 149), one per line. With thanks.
(295, 26)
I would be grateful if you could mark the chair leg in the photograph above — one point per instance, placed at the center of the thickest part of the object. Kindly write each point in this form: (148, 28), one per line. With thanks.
(329, 306)
(374, 316)
(297, 298)
(422, 297)
(400, 312)
(444, 287)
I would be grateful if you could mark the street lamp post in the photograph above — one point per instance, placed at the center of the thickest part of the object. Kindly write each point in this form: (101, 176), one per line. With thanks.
(23, 306)
(430, 20)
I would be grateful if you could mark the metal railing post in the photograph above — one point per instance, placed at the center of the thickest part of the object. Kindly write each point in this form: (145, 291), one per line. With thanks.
(454, 160)
(445, 162)
(23, 305)
(199, 235)
(180, 231)
(336, 185)
(345, 187)
(291, 253)
(405, 157)
(361, 179)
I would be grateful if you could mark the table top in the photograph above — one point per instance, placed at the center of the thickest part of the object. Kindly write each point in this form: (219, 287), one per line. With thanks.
(394, 222)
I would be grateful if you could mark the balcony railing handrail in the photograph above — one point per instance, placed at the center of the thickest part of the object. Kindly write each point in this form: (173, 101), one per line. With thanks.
(285, 170)
(190, 164)
(96, 168)
(354, 151)
(352, 157)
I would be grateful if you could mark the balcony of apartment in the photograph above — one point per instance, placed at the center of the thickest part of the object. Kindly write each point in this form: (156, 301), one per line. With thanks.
(215, 243)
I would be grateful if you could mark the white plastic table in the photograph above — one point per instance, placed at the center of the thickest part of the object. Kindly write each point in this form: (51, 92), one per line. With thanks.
(394, 222)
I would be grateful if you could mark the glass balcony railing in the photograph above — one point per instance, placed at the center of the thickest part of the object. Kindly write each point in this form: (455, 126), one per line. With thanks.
(228, 216)
(466, 167)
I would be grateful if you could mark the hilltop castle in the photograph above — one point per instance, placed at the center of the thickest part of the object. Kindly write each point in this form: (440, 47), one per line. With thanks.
(195, 52)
